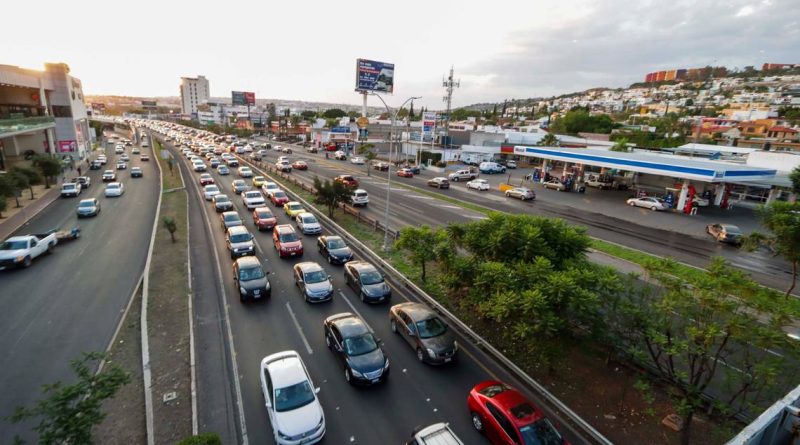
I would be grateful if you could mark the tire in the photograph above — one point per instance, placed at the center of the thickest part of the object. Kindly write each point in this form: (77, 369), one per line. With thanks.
(26, 263)
(420, 355)
(508, 195)
(455, 179)
(632, 204)
(348, 376)
(242, 298)
(393, 325)
(330, 260)
(362, 296)
(328, 341)
(50, 248)
(653, 209)
(477, 422)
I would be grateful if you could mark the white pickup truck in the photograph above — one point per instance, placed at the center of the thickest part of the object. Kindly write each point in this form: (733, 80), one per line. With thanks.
(462, 175)
(19, 251)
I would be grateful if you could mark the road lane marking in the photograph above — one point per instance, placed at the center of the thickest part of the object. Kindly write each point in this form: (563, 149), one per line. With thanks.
(447, 206)
(475, 216)
(347, 300)
(299, 328)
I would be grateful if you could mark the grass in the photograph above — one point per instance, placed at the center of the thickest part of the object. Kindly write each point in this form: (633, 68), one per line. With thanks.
(170, 179)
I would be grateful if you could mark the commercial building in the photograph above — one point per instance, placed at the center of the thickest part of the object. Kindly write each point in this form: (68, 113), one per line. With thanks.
(41, 112)
(194, 91)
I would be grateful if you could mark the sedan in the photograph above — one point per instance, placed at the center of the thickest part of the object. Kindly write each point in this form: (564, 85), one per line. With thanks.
(239, 186)
(198, 165)
(312, 280)
(505, 416)
(88, 207)
(263, 218)
(440, 182)
(145, 158)
(648, 202)
(366, 281)
(555, 184)
(286, 241)
(114, 189)
(268, 187)
(258, 181)
(357, 348)
(725, 233)
(222, 203)
(223, 170)
(308, 224)
(136, 172)
(230, 219)
(405, 173)
(253, 199)
(334, 249)
(251, 279)
(125, 158)
(424, 331)
(122, 165)
(293, 208)
(206, 179)
(358, 160)
(239, 242)
(348, 180)
(209, 191)
(283, 166)
(84, 181)
(300, 165)
(522, 193)
(380, 165)
(479, 184)
(279, 198)
(245, 172)
(294, 410)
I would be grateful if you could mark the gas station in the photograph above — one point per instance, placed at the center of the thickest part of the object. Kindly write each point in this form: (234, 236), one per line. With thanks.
(681, 181)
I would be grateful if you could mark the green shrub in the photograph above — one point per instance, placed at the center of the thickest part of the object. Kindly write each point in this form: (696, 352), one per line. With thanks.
(202, 439)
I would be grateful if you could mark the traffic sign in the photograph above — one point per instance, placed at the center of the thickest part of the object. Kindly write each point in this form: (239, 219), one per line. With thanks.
(362, 122)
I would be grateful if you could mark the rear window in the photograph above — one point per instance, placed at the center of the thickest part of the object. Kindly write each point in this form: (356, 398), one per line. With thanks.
(493, 390)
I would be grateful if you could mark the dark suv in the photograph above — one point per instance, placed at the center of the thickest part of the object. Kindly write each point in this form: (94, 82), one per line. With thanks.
(251, 279)
(368, 283)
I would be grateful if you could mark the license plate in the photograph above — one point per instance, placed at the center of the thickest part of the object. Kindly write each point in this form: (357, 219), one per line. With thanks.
(375, 380)
(448, 359)
(293, 253)
(257, 292)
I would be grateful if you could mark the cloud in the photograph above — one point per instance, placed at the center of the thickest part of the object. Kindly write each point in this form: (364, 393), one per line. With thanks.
(615, 42)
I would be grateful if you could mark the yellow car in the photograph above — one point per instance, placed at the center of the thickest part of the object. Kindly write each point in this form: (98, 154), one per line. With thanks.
(293, 208)
(258, 181)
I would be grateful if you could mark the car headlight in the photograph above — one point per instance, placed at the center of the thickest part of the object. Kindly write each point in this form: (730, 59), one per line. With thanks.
(386, 365)
(431, 353)
(242, 290)
(283, 436)
(356, 373)
(19, 259)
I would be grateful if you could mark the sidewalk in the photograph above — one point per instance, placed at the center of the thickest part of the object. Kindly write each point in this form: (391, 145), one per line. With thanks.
(30, 208)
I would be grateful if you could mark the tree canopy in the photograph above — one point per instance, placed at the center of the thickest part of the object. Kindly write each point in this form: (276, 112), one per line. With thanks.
(334, 113)
(331, 193)
(579, 120)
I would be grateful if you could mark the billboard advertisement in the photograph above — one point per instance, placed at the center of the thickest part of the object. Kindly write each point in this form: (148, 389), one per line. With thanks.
(148, 104)
(340, 130)
(374, 76)
(243, 98)
(67, 146)
(428, 125)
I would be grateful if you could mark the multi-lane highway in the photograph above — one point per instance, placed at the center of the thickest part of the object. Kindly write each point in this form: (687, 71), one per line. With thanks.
(415, 394)
(71, 301)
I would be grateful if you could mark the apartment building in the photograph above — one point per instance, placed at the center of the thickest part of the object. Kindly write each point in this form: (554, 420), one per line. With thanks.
(194, 91)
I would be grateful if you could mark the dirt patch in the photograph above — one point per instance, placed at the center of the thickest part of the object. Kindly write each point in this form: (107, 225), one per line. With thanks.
(24, 200)
(125, 419)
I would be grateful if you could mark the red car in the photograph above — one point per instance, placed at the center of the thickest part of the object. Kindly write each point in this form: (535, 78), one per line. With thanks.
(206, 179)
(405, 173)
(506, 417)
(279, 198)
(286, 241)
(263, 218)
(348, 180)
(300, 165)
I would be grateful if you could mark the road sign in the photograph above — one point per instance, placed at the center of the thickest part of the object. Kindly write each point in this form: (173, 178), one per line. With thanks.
(362, 122)
(164, 154)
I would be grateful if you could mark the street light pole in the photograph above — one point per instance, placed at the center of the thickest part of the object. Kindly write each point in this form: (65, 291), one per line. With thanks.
(389, 170)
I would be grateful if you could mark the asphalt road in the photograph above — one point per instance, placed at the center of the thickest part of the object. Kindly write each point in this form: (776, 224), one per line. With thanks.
(70, 302)
(414, 395)
(408, 207)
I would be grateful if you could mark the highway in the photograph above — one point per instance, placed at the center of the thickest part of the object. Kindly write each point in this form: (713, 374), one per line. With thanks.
(415, 394)
(71, 301)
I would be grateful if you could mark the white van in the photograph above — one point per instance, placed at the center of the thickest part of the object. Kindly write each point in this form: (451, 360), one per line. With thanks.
(436, 434)
(360, 198)
(491, 167)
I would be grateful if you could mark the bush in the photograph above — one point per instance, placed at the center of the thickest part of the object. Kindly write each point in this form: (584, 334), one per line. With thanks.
(202, 439)
(441, 164)
(434, 157)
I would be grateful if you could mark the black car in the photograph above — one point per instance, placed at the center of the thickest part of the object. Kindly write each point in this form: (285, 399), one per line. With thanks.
(251, 279)
(312, 280)
(95, 165)
(424, 331)
(359, 351)
(334, 249)
(365, 279)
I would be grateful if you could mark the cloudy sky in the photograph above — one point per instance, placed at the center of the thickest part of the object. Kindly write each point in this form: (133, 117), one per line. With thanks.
(307, 50)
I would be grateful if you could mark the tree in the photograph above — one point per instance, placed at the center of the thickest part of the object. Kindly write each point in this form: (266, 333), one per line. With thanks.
(580, 120)
(494, 111)
(67, 413)
(19, 182)
(549, 140)
(3, 205)
(411, 111)
(6, 190)
(308, 114)
(783, 220)
(621, 145)
(49, 166)
(171, 226)
(334, 113)
(369, 155)
(33, 177)
(794, 176)
(331, 193)
(419, 243)
(692, 332)
(202, 439)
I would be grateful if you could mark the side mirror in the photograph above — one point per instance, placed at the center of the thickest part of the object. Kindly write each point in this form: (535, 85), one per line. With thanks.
(316, 390)
(268, 405)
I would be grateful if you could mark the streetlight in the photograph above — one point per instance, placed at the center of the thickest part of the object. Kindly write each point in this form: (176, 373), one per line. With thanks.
(389, 170)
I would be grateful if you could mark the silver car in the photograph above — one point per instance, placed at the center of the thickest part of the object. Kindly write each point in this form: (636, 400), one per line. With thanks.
(522, 193)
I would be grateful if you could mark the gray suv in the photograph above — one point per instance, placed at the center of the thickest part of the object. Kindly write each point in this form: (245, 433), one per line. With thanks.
(239, 241)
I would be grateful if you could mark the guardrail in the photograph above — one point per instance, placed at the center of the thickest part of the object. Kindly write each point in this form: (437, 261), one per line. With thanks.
(400, 280)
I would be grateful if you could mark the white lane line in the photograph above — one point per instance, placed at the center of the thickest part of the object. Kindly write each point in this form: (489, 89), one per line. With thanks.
(299, 328)
(475, 216)
(347, 300)
(420, 197)
(447, 206)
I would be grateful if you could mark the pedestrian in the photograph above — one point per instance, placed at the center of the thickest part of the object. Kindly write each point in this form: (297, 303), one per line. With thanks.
(79, 170)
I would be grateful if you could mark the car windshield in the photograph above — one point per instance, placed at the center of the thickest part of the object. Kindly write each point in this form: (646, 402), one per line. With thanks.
(293, 397)
(732, 230)
(13, 245)
(336, 244)
(279, 195)
(363, 344)
(315, 276)
(432, 327)
(264, 215)
(241, 237)
(221, 198)
(238, 183)
(251, 273)
(541, 432)
(211, 188)
(271, 186)
(371, 277)
(295, 206)
(288, 237)
(113, 186)
(252, 195)
(231, 218)
(309, 220)
(86, 204)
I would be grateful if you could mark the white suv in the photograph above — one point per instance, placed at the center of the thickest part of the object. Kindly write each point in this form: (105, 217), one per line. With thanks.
(360, 198)
(291, 400)
(253, 199)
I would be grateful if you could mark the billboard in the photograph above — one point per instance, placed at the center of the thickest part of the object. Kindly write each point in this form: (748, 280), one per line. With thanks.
(67, 146)
(98, 106)
(340, 130)
(243, 98)
(374, 76)
(148, 104)
(428, 125)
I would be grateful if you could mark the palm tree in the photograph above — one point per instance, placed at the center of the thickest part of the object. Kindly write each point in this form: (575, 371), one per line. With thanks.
(549, 140)
(621, 145)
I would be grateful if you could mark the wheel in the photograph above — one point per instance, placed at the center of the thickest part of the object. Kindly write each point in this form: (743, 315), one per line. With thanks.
(508, 194)
(632, 204)
(330, 260)
(242, 297)
(50, 248)
(363, 296)
(393, 324)
(27, 262)
(653, 208)
(420, 355)
(477, 422)
(455, 179)
(347, 375)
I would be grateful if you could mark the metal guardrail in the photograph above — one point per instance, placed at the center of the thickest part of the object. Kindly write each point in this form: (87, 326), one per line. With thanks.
(577, 421)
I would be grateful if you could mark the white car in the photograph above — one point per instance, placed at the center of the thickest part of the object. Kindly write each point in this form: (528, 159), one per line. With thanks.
(340, 155)
(283, 166)
(648, 202)
(308, 224)
(268, 188)
(291, 400)
(114, 189)
(358, 160)
(210, 191)
(478, 184)
(253, 199)
(245, 172)
(70, 189)
(700, 201)
(198, 165)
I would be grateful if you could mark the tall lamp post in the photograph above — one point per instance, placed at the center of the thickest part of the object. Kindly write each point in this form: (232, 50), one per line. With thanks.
(389, 171)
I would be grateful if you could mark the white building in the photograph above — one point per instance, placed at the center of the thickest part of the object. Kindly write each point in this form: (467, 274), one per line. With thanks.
(194, 91)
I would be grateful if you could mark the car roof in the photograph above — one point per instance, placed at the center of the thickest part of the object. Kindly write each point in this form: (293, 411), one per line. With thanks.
(361, 265)
(306, 214)
(92, 200)
(230, 213)
(290, 203)
(349, 325)
(731, 227)
(284, 228)
(247, 261)
(417, 311)
(285, 369)
(308, 266)
(237, 230)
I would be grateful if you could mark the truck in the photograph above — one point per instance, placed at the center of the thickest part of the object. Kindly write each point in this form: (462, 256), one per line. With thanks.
(601, 182)
(20, 251)
(462, 175)
(436, 434)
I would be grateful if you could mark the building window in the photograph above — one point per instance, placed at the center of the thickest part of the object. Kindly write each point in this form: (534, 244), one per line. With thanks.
(62, 111)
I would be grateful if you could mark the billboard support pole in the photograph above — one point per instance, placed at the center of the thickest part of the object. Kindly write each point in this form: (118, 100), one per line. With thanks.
(364, 105)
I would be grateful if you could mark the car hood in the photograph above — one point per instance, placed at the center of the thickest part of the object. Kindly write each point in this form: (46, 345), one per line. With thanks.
(288, 244)
(369, 362)
(260, 283)
(11, 254)
(376, 290)
(87, 209)
(342, 253)
(312, 225)
(324, 286)
(242, 245)
(441, 343)
(300, 420)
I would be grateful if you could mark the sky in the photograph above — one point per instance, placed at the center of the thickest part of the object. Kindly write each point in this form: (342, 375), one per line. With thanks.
(307, 50)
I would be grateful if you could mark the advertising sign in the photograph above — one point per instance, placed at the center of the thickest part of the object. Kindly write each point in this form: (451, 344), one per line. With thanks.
(243, 98)
(148, 104)
(67, 146)
(340, 130)
(98, 106)
(374, 76)
(428, 125)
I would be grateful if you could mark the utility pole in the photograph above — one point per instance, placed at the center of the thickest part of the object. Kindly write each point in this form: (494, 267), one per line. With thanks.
(449, 85)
